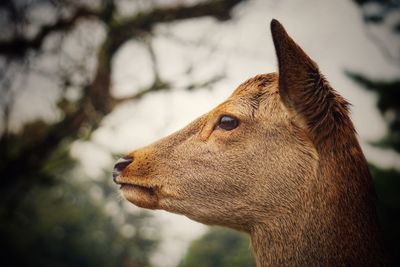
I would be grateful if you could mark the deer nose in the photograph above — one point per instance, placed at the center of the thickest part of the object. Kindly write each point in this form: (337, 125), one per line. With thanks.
(121, 165)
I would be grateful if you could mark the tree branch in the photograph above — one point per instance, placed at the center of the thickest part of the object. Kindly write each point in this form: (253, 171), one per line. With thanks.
(144, 22)
(137, 26)
(19, 46)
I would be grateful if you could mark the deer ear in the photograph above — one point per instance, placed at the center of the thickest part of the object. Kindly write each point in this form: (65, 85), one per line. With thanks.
(295, 69)
(302, 88)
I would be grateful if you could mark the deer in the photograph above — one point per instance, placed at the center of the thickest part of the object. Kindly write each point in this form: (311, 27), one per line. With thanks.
(279, 160)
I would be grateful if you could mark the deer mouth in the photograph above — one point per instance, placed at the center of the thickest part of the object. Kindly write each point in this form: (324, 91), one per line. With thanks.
(140, 195)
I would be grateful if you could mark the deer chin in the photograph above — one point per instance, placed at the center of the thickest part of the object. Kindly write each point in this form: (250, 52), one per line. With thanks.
(140, 195)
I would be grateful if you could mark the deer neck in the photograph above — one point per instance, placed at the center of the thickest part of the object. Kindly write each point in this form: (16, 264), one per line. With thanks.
(334, 225)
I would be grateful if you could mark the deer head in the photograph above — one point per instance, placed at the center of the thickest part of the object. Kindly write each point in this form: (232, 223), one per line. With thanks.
(279, 152)
(246, 160)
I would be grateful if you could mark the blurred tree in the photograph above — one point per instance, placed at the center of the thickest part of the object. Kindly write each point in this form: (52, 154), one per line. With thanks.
(48, 217)
(385, 14)
(220, 247)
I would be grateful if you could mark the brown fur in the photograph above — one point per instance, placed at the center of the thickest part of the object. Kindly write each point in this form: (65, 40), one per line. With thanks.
(292, 174)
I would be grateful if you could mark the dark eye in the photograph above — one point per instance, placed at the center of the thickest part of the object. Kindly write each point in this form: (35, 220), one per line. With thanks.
(227, 123)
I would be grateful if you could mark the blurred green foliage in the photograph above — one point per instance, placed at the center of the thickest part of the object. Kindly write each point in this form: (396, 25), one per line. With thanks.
(220, 247)
(388, 103)
(387, 185)
(387, 181)
(67, 223)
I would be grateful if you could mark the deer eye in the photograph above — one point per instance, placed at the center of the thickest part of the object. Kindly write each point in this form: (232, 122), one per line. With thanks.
(227, 123)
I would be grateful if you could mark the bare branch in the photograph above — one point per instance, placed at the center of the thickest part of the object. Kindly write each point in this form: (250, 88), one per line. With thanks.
(137, 26)
(147, 40)
(144, 22)
(156, 86)
(19, 46)
(206, 84)
(161, 86)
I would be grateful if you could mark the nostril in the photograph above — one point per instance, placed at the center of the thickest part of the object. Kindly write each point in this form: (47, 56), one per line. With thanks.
(120, 165)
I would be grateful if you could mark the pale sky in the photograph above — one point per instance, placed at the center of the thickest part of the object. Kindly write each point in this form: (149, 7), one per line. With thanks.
(331, 32)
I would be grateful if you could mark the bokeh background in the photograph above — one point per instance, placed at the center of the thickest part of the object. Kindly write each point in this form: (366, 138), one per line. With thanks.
(83, 82)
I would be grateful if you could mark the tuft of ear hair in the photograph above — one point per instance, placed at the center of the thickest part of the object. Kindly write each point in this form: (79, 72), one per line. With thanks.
(304, 90)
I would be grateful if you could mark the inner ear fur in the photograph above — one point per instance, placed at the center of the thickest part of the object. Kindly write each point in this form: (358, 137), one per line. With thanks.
(304, 90)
